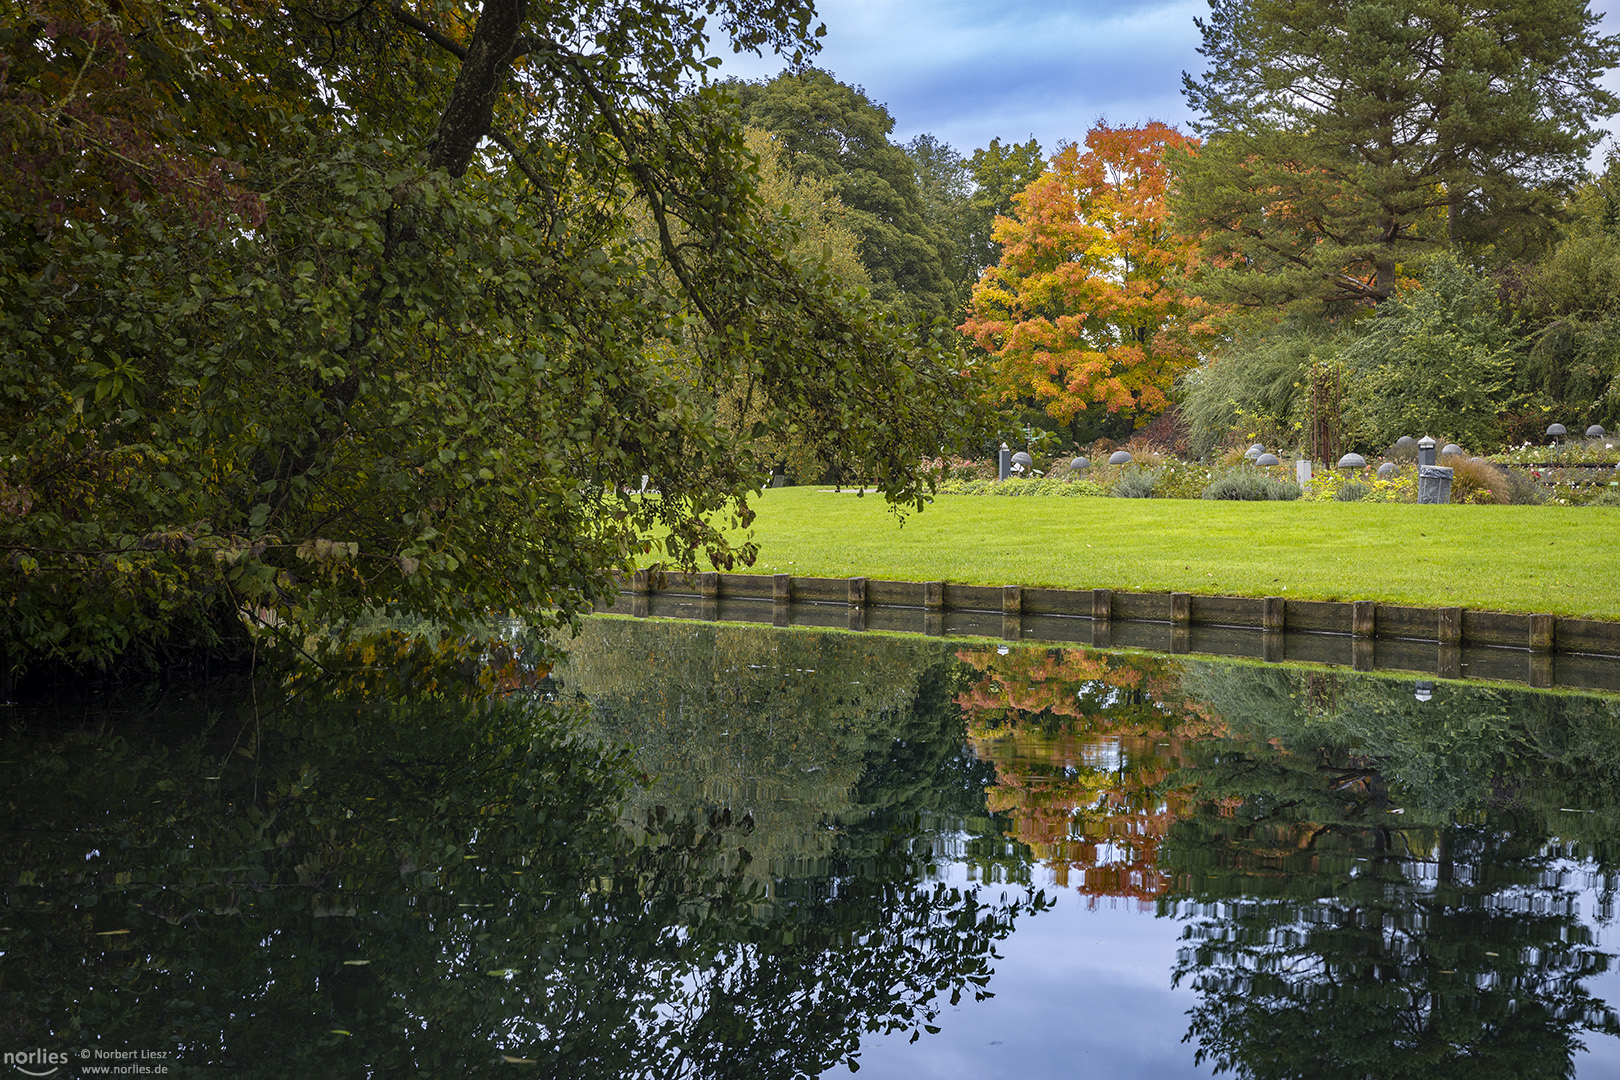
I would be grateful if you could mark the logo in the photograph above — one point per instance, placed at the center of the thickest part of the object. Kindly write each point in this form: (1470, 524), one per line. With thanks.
(21, 1060)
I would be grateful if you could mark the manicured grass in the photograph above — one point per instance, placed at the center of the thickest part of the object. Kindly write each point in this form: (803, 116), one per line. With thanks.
(1504, 558)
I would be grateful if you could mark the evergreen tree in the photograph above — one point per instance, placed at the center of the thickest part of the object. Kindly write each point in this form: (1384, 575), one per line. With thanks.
(1346, 138)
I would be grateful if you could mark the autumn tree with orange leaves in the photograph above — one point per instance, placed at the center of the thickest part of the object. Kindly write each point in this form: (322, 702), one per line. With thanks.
(1084, 310)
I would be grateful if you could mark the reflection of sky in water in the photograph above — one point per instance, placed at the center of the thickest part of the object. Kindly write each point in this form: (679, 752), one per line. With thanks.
(1079, 993)
(1084, 990)
(1601, 1058)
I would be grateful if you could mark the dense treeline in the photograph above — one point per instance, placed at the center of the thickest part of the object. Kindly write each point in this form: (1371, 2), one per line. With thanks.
(1389, 198)
(314, 319)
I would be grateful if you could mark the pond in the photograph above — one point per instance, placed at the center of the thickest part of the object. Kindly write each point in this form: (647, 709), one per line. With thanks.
(718, 850)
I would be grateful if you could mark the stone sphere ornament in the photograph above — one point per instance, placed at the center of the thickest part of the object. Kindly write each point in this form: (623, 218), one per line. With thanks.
(1386, 470)
(1268, 459)
(1595, 432)
(1254, 451)
(1080, 463)
(1556, 431)
(1120, 457)
(1450, 448)
(1353, 461)
(1023, 462)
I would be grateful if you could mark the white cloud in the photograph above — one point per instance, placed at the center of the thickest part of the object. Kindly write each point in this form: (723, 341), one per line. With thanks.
(970, 71)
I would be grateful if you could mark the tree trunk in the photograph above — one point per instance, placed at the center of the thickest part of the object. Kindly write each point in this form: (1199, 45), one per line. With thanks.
(470, 112)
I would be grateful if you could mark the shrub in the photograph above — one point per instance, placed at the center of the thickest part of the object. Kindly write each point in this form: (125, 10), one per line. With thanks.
(1136, 484)
(1522, 490)
(1478, 481)
(1609, 497)
(1352, 491)
(1247, 484)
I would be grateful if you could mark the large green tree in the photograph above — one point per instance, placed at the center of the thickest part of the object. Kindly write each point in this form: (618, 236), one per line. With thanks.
(1345, 138)
(834, 132)
(315, 311)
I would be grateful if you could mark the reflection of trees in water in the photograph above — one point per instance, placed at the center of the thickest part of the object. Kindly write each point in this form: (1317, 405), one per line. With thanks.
(1339, 924)
(1082, 744)
(833, 743)
(428, 889)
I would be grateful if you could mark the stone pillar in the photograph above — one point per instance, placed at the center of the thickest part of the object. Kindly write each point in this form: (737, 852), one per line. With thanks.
(1434, 484)
(1425, 451)
(1004, 465)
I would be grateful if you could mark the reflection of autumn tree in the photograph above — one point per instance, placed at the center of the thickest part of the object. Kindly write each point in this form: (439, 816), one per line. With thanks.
(1371, 885)
(1083, 744)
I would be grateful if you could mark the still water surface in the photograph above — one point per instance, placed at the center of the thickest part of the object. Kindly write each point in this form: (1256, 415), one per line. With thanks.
(730, 851)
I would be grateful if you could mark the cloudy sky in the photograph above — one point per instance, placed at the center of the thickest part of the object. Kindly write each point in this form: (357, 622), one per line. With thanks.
(968, 71)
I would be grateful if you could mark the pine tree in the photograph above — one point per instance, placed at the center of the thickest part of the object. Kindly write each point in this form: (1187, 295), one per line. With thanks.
(1345, 139)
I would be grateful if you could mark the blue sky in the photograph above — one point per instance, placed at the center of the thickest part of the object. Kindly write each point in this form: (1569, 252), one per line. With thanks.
(968, 71)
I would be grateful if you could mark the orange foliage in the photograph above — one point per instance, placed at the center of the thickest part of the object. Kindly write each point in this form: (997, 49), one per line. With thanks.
(1084, 746)
(1083, 307)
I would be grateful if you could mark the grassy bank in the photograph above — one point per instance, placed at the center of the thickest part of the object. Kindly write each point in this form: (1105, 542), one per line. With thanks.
(1555, 559)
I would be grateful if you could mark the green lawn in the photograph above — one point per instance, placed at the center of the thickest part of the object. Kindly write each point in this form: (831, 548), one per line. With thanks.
(1556, 559)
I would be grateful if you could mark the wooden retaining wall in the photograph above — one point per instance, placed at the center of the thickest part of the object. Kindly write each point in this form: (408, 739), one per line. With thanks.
(1357, 619)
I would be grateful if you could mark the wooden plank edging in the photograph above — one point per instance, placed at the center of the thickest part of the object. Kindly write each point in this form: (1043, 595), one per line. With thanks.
(1363, 619)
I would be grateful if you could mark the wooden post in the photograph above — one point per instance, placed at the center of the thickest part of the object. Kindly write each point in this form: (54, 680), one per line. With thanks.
(1364, 618)
(1541, 633)
(709, 584)
(1181, 608)
(1274, 613)
(933, 596)
(781, 588)
(1272, 644)
(1102, 604)
(1012, 599)
(857, 591)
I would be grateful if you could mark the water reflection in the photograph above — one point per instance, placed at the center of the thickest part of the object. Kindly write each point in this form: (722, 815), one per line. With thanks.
(712, 850)
(1371, 884)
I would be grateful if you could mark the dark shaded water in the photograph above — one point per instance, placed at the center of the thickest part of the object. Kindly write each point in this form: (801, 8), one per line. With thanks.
(823, 846)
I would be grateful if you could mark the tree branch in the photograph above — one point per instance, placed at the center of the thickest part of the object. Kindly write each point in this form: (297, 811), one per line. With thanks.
(428, 31)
